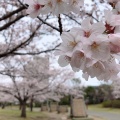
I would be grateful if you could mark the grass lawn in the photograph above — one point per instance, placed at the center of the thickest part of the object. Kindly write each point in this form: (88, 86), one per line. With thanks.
(13, 113)
(99, 107)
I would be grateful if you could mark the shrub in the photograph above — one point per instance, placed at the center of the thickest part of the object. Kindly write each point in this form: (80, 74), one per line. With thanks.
(107, 103)
(37, 104)
(112, 103)
(65, 101)
(116, 104)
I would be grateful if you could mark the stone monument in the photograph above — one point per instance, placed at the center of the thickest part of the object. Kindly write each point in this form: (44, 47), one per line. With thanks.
(62, 109)
(53, 107)
(44, 108)
(78, 109)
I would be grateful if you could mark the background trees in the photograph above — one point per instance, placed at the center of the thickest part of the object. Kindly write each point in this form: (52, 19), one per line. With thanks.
(33, 80)
(98, 94)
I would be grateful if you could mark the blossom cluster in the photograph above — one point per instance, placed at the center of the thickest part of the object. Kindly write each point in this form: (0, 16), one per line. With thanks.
(93, 47)
(56, 7)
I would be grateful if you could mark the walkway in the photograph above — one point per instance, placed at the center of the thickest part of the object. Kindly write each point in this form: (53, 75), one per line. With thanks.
(104, 114)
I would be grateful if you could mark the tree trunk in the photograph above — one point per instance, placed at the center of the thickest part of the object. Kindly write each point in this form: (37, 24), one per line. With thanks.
(3, 106)
(20, 106)
(71, 106)
(23, 110)
(31, 105)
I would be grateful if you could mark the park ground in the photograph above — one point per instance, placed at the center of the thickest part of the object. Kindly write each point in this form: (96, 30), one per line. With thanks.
(104, 113)
(96, 112)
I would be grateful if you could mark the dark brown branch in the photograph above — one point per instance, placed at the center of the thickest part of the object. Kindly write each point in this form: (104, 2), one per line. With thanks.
(20, 45)
(10, 23)
(26, 6)
(92, 17)
(12, 13)
(48, 24)
(60, 24)
(72, 19)
(37, 53)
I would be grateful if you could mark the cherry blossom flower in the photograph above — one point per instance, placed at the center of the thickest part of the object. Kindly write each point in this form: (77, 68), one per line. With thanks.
(59, 6)
(64, 60)
(35, 7)
(97, 47)
(78, 60)
(88, 29)
(70, 42)
(47, 8)
(116, 19)
(95, 70)
(111, 70)
(112, 2)
(117, 7)
(109, 22)
(114, 43)
(75, 5)
(69, 45)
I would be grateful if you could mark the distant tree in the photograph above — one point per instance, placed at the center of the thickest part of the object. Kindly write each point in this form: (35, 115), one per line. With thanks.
(89, 94)
(27, 81)
(106, 91)
(6, 99)
(98, 94)
(116, 88)
(33, 80)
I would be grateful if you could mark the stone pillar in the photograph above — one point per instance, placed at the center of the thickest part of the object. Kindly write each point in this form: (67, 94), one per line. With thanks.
(53, 107)
(78, 109)
(62, 109)
(44, 108)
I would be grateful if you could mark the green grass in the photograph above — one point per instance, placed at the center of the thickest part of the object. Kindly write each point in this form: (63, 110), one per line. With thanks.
(14, 114)
(99, 107)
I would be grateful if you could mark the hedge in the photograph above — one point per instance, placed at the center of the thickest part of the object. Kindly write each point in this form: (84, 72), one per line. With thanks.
(112, 103)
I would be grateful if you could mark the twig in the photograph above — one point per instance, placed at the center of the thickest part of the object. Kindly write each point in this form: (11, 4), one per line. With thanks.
(48, 24)
(60, 24)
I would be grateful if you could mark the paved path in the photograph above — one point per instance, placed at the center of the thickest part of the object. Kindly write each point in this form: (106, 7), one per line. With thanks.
(104, 114)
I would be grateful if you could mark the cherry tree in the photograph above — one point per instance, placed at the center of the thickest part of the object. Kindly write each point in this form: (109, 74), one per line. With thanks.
(56, 89)
(32, 80)
(66, 88)
(5, 98)
(28, 81)
(116, 88)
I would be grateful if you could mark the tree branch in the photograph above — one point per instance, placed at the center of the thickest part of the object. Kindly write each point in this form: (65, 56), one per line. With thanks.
(48, 24)
(60, 24)
(20, 45)
(72, 19)
(10, 23)
(12, 13)
(37, 53)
